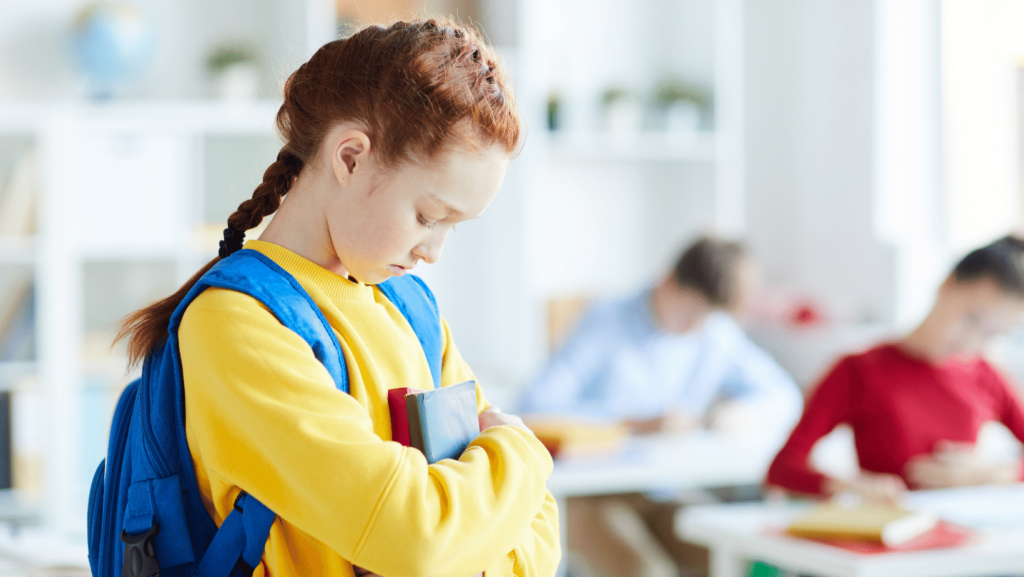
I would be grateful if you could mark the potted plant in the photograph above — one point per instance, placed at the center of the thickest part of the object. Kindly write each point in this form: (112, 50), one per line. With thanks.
(621, 109)
(682, 105)
(235, 71)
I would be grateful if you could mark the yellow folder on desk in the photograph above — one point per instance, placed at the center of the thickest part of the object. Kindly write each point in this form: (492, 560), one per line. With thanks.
(889, 526)
(568, 438)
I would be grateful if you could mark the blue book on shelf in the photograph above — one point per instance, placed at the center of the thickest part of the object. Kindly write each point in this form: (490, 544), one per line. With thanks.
(443, 421)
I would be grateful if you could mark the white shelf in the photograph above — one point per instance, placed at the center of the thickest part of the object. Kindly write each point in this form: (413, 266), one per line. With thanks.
(17, 249)
(12, 370)
(583, 146)
(197, 116)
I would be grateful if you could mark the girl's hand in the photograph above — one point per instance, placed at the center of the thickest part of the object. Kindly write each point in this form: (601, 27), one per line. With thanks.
(883, 488)
(493, 417)
(957, 465)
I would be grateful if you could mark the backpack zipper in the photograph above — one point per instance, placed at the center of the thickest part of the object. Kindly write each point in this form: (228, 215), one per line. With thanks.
(113, 481)
(162, 469)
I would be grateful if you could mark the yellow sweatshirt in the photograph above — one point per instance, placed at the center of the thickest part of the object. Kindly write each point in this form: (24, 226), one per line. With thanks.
(264, 415)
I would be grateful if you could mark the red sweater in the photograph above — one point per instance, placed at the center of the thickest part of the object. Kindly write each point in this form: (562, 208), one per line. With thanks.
(898, 407)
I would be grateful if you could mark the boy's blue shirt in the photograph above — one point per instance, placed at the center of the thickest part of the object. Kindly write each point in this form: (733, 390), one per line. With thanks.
(618, 364)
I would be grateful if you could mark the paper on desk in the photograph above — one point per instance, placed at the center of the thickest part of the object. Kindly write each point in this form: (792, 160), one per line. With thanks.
(982, 507)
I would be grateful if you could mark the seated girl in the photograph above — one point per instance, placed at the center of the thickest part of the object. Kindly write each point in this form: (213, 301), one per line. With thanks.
(916, 405)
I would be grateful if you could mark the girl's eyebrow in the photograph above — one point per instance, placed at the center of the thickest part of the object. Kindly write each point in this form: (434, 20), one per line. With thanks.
(449, 208)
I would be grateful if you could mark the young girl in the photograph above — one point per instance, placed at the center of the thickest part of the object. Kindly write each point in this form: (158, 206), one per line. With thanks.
(391, 137)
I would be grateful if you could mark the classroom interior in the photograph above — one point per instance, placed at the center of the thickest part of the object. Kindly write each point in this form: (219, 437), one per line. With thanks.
(857, 149)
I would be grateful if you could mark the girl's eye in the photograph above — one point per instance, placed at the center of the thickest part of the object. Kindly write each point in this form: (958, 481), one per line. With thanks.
(423, 221)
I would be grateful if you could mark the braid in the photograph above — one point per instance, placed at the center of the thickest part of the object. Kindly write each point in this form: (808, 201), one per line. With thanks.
(266, 199)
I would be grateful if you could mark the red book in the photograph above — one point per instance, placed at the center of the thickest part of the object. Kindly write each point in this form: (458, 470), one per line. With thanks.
(943, 536)
(400, 414)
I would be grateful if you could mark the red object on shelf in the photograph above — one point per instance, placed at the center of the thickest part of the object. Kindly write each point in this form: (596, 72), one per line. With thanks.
(805, 314)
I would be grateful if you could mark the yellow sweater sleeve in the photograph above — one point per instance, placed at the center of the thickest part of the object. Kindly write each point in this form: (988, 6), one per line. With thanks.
(263, 415)
(539, 550)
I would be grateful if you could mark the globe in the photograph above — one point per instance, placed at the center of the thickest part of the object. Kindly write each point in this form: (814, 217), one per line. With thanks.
(113, 43)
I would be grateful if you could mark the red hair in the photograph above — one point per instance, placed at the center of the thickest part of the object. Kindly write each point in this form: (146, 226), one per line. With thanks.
(413, 86)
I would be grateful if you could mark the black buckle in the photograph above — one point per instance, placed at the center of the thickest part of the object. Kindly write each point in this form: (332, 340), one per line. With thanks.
(139, 554)
(238, 501)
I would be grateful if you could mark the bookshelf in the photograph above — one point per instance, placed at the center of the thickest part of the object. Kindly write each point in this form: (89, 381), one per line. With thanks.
(126, 195)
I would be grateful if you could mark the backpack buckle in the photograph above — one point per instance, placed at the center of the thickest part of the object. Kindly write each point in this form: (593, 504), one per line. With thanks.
(139, 554)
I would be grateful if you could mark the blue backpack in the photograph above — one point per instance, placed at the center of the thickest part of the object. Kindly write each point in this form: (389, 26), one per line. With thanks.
(146, 516)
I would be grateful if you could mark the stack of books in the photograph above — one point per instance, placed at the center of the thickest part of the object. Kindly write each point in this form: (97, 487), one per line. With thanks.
(440, 422)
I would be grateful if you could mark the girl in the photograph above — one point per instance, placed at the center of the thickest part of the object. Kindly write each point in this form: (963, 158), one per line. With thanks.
(391, 137)
(916, 405)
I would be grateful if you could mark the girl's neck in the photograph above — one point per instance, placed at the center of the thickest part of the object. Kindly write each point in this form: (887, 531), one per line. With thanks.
(924, 342)
(300, 226)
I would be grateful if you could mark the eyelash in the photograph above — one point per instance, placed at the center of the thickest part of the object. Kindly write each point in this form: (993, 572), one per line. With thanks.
(425, 222)
(430, 225)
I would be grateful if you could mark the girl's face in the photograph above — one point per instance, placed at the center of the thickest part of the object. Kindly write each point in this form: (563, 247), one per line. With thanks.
(972, 313)
(383, 222)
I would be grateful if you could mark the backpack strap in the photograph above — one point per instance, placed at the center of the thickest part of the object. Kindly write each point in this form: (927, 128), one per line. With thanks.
(414, 300)
(242, 535)
(251, 272)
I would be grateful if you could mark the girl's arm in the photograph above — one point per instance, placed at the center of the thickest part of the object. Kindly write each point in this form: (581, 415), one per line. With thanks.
(264, 416)
(827, 407)
(540, 548)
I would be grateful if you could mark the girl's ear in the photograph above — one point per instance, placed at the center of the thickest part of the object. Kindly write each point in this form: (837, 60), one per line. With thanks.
(350, 152)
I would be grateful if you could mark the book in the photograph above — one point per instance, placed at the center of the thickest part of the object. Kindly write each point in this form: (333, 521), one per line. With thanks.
(943, 536)
(17, 320)
(17, 198)
(400, 414)
(888, 526)
(442, 422)
(569, 438)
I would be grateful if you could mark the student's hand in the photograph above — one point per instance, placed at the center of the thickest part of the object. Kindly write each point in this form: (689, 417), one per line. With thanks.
(883, 488)
(493, 417)
(674, 421)
(957, 465)
(732, 417)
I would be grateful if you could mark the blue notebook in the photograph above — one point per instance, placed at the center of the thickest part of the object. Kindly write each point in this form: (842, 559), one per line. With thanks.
(443, 421)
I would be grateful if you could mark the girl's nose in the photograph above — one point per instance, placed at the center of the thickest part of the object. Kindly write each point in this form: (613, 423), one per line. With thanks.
(430, 251)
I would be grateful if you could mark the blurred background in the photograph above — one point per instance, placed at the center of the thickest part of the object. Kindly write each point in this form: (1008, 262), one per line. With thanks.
(859, 148)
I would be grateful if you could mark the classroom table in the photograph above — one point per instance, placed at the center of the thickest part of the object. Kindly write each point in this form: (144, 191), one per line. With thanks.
(691, 460)
(741, 532)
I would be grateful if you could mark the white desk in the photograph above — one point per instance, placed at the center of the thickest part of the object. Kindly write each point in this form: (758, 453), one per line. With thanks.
(692, 460)
(738, 533)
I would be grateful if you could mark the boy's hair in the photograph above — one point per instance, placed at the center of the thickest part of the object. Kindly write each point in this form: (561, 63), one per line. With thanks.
(1001, 261)
(413, 87)
(711, 267)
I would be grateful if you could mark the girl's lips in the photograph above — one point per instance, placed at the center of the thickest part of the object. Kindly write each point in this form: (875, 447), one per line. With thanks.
(397, 270)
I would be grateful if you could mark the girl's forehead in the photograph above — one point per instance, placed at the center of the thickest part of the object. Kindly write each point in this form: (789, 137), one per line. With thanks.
(456, 182)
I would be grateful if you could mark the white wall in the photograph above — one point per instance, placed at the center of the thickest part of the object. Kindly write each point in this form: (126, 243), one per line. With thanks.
(810, 164)
(844, 199)
(981, 50)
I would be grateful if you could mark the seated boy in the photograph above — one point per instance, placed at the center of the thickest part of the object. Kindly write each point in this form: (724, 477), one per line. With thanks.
(916, 405)
(664, 359)
(660, 358)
